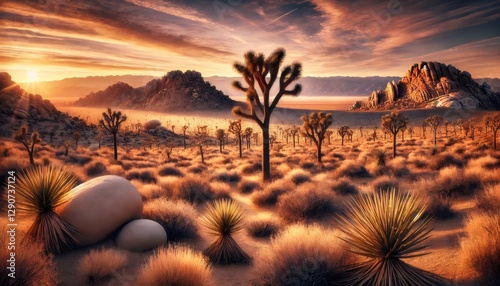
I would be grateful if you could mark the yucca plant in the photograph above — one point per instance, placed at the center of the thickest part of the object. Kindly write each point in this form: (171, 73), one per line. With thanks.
(223, 218)
(380, 156)
(41, 190)
(386, 227)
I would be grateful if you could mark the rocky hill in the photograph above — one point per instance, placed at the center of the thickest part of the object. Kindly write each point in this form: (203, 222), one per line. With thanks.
(433, 84)
(176, 90)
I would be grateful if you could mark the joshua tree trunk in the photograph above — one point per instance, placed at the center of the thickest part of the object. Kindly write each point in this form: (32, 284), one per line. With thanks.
(184, 140)
(32, 160)
(495, 139)
(115, 146)
(435, 135)
(394, 146)
(342, 140)
(266, 166)
(201, 153)
(239, 145)
(319, 152)
(220, 145)
(293, 139)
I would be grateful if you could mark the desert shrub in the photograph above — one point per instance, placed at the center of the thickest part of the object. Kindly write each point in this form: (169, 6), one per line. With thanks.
(32, 265)
(263, 227)
(454, 182)
(344, 187)
(481, 247)
(197, 169)
(385, 228)
(352, 169)
(226, 176)
(94, 169)
(380, 156)
(220, 190)
(384, 183)
(269, 196)
(39, 191)
(489, 200)
(78, 159)
(178, 218)
(193, 189)
(143, 175)
(100, 266)
(169, 170)
(248, 186)
(308, 202)
(251, 168)
(446, 160)
(223, 218)
(149, 191)
(175, 266)
(303, 255)
(298, 176)
(440, 208)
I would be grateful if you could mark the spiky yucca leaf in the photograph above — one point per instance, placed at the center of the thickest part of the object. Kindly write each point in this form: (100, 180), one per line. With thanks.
(41, 190)
(223, 218)
(381, 156)
(386, 227)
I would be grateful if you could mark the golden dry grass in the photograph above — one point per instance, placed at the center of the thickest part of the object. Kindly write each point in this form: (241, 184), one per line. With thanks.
(101, 266)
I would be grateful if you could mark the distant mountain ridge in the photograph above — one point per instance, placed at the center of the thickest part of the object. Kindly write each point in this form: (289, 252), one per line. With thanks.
(176, 90)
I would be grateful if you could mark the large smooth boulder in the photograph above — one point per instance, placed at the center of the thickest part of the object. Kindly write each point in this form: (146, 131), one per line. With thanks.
(101, 206)
(152, 124)
(141, 235)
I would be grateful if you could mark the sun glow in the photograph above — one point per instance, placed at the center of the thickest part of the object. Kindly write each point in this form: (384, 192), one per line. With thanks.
(32, 76)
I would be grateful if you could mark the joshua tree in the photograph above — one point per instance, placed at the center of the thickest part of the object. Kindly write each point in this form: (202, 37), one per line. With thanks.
(235, 128)
(487, 121)
(21, 136)
(201, 135)
(223, 218)
(424, 127)
(446, 124)
(374, 134)
(293, 131)
(410, 130)
(184, 129)
(394, 122)
(111, 122)
(272, 139)
(173, 128)
(495, 126)
(328, 134)
(315, 126)
(66, 145)
(98, 138)
(434, 121)
(403, 134)
(220, 133)
(350, 133)
(76, 137)
(255, 137)
(342, 131)
(361, 131)
(248, 136)
(264, 72)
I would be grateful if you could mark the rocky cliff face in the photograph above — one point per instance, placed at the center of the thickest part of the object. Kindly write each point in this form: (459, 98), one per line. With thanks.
(17, 103)
(175, 91)
(433, 84)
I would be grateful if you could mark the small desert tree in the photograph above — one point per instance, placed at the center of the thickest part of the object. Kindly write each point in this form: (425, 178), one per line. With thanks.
(248, 136)
(329, 134)
(487, 121)
(220, 134)
(184, 129)
(403, 134)
(315, 126)
(235, 128)
(76, 136)
(342, 131)
(66, 145)
(434, 121)
(111, 122)
(424, 127)
(293, 131)
(446, 124)
(410, 130)
(350, 133)
(255, 137)
(263, 72)
(495, 126)
(200, 136)
(22, 136)
(394, 122)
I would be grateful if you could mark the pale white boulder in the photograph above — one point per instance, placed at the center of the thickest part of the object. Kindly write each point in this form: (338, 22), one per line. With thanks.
(101, 206)
(141, 235)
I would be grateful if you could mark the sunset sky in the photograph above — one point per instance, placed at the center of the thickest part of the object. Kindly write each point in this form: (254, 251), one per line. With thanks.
(55, 39)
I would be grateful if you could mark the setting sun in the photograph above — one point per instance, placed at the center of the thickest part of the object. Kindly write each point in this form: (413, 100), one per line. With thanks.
(32, 76)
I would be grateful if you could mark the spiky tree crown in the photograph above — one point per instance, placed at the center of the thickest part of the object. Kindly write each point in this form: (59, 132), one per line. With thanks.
(394, 122)
(112, 120)
(315, 125)
(434, 121)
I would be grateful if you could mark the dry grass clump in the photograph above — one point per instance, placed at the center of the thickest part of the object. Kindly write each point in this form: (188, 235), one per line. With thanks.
(298, 176)
(193, 189)
(308, 202)
(96, 168)
(263, 227)
(454, 182)
(169, 170)
(78, 159)
(251, 168)
(446, 159)
(178, 218)
(32, 265)
(247, 186)
(303, 255)
(352, 169)
(344, 187)
(481, 247)
(173, 266)
(143, 175)
(489, 200)
(269, 196)
(149, 191)
(100, 266)
(226, 176)
(384, 183)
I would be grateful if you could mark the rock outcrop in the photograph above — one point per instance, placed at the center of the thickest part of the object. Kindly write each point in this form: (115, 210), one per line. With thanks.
(141, 235)
(433, 84)
(176, 90)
